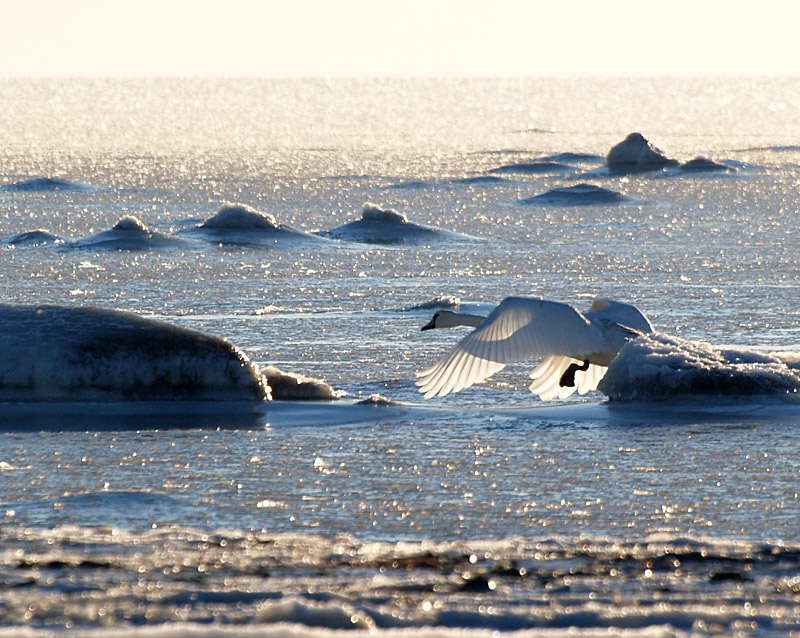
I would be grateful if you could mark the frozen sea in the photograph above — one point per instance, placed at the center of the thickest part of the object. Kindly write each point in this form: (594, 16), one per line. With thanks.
(672, 510)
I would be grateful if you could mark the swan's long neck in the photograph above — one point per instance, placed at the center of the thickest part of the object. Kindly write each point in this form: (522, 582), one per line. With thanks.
(449, 319)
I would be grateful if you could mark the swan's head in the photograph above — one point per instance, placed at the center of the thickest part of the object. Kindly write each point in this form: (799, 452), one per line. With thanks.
(450, 319)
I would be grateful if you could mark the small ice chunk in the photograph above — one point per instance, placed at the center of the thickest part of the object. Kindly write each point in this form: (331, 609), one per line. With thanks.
(288, 386)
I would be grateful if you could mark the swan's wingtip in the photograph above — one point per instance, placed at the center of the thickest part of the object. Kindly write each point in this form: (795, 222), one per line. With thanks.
(426, 372)
(429, 393)
(428, 390)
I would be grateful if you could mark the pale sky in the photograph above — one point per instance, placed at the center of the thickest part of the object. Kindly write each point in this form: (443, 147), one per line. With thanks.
(398, 38)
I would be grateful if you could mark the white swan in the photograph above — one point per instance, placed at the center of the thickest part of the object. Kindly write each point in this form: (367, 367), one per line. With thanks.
(577, 347)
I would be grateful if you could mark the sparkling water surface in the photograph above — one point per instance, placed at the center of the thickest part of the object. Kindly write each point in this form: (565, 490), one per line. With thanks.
(709, 256)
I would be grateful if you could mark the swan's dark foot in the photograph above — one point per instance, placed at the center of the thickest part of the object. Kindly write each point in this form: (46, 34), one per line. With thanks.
(568, 378)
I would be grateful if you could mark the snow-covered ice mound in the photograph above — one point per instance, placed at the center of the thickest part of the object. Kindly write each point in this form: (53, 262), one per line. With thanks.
(572, 157)
(534, 168)
(635, 153)
(57, 353)
(386, 226)
(658, 366)
(483, 180)
(44, 184)
(578, 195)
(129, 233)
(242, 225)
(705, 165)
(36, 237)
(240, 217)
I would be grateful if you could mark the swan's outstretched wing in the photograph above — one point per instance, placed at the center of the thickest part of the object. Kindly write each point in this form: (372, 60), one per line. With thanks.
(547, 378)
(517, 329)
(622, 313)
(589, 380)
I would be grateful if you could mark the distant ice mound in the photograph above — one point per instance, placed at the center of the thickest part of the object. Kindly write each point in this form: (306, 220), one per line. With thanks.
(373, 213)
(578, 195)
(43, 184)
(386, 226)
(240, 217)
(636, 153)
(571, 157)
(483, 180)
(129, 233)
(705, 165)
(657, 366)
(412, 185)
(131, 223)
(31, 238)
(288, 386)
(55, 353)
(534, 168)
(240, 224)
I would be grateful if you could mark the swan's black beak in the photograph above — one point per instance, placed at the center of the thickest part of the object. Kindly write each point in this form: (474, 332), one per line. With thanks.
(430, 325)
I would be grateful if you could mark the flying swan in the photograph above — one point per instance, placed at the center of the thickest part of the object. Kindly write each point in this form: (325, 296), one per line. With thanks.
(577, 348)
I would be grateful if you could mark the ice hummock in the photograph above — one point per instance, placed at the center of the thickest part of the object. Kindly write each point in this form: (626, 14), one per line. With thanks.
(577, 195)
(129, 233)
(36, 237)
(372, 212)
(59, 353)
(538, 167)
(240, 217)
(239, 224)
(658, 366)
(45, 184)
(380, 225)
(636, 153)
(702, 164)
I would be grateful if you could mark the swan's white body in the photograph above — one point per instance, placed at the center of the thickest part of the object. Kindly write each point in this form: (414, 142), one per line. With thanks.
(577, 348)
